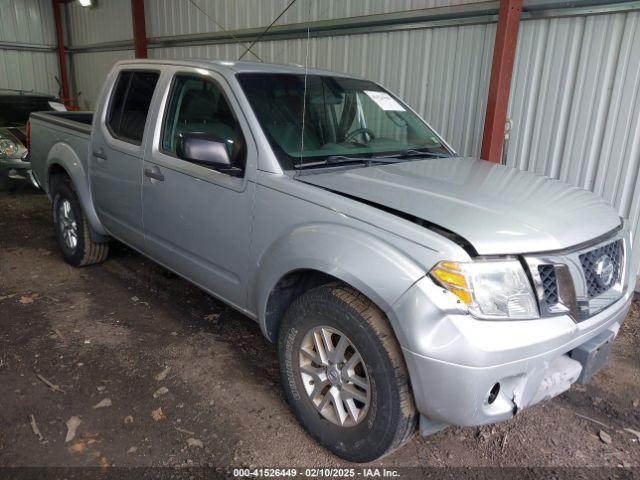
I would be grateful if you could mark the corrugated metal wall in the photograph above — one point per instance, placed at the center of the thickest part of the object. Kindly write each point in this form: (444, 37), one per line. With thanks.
(179, 17)
(109, 21)
(90, 69)
(28, 22)
(575, 106)
(29, 71)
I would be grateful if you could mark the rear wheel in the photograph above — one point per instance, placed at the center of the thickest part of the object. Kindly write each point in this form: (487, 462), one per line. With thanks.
(344, 374)
(72, 229)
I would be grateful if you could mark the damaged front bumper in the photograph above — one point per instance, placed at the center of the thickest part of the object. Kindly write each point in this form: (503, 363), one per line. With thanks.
(469, 372)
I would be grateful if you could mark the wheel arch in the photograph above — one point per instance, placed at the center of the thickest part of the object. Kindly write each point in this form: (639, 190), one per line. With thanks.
(63, 160)
(297, 263)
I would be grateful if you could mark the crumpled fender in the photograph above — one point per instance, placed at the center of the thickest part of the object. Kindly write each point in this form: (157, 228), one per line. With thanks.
(366, 262)
(63, 155)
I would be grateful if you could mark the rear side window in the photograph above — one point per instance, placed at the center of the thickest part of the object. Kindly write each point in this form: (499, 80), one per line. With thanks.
(130, 105)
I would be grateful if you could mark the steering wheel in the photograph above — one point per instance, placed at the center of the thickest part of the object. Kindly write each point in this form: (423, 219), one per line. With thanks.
(358, 131)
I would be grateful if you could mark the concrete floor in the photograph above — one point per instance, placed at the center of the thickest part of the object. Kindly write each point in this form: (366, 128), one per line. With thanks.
(107, 332)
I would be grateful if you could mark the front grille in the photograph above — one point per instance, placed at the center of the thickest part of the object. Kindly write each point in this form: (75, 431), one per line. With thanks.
(589, 261)
(549, 284)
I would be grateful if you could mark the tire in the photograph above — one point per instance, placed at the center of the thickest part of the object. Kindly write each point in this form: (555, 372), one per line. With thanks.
(387, 418)
(85, 251)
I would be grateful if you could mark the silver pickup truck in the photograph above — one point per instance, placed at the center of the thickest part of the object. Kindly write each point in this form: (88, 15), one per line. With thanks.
(407, 288)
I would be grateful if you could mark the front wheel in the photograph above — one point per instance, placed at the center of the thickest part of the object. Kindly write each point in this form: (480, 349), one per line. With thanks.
(344, 374)
(72, 229)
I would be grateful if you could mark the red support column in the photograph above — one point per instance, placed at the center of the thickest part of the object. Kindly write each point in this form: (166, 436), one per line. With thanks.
(62, 54)
(139, 29)
(504, 53)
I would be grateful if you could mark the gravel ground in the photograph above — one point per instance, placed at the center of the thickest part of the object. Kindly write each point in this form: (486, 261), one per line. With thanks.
(107, 334)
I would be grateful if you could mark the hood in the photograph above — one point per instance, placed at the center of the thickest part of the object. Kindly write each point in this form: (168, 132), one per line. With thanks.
(498, 209)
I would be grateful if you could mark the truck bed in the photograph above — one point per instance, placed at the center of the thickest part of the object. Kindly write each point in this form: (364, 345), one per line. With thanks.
(79, 121)
(61, 130)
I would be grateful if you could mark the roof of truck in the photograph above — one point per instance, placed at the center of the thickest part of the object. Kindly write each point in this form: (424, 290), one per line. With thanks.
(240, 66)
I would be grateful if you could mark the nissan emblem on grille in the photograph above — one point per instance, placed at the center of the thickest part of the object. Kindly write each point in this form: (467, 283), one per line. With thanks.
(604, 271)
(602, 267)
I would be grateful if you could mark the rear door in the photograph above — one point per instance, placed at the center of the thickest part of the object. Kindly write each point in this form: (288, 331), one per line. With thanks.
(197, 220)
(116, 155)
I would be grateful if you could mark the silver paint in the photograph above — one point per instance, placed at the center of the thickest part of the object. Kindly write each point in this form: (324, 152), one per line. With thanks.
(237, 237)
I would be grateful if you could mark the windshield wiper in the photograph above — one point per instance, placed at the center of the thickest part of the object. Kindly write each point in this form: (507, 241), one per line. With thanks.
(417, 153)
(400, 157)
(333, 160)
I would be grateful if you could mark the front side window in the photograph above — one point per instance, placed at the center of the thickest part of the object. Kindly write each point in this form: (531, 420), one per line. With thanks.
(130, 105)
(197, 105)
(343, 117)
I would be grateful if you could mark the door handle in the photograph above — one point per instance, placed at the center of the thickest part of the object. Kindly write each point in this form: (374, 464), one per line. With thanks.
(154, 173)
(100, 154)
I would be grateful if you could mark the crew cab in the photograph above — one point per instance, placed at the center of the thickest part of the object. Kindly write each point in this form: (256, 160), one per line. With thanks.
(407, 288)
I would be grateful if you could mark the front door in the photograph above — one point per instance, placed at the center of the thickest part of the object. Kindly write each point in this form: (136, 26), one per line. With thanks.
(197, 220)
(116, 155)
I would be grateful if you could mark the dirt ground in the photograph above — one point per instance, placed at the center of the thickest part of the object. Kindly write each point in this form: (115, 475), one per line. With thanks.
(109, 331)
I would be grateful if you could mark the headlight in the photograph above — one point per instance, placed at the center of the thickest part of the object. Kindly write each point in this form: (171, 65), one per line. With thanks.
(492, 289)
(8, 148)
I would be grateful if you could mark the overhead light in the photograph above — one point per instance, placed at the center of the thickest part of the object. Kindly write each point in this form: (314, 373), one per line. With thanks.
(86, 3)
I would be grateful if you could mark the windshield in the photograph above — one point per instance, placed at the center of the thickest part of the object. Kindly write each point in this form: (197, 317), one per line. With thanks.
(343, 117)
(15, 109)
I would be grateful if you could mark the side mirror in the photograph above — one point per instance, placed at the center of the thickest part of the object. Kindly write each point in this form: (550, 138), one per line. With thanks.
(204, 149)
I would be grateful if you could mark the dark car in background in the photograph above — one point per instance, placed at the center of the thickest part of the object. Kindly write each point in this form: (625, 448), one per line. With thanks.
(15, 108)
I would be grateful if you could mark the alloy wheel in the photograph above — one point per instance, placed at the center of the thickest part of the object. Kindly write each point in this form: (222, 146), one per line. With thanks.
(67, 224)
(334, 376)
